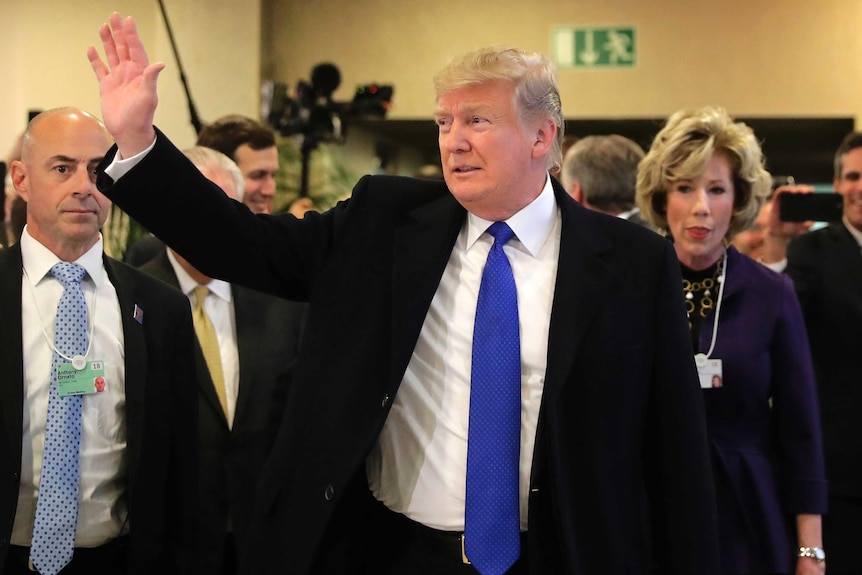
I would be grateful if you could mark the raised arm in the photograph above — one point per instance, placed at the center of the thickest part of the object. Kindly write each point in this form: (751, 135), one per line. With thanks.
(127, 85)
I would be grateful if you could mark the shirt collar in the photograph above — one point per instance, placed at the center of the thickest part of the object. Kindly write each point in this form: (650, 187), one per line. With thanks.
(38, 260)
(532, 224)
(219, 288)
(857, 235)
(628, 214)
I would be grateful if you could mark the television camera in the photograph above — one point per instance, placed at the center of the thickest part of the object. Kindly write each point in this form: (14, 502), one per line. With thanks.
(313, 114)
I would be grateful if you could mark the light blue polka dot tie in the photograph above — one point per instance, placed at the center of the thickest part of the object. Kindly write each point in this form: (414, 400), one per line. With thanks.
(491, 523)
(57, 505)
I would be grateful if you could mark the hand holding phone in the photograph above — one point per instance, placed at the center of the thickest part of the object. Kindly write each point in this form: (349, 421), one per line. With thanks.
(812, 207)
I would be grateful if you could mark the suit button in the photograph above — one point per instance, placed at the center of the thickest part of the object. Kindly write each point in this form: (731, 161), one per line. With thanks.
(385, 401)
(329, 493)
(15, 477)
(3, 542)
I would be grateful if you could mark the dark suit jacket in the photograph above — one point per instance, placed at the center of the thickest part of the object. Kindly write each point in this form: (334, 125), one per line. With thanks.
(268, 331)
(826, 267)
(767, 457)
(160, 415)
(621, 408)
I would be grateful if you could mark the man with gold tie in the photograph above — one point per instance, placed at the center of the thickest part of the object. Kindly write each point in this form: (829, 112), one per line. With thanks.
(249, 343)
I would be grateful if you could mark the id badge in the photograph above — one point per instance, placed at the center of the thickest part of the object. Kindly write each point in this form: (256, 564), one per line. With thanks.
(91, 379)
(709, 371)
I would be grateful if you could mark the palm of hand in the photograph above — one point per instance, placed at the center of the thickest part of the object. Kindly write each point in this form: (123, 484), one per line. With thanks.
(127, 85)
(128, 99)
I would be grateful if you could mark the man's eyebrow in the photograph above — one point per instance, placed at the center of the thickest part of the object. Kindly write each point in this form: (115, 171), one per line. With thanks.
(61, 158)
(465, 110)
(68, 159)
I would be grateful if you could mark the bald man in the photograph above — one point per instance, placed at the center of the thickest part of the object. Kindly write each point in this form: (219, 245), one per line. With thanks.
(135, 458)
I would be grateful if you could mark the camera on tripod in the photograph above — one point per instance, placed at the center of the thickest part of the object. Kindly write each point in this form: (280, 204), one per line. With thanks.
(313, 113)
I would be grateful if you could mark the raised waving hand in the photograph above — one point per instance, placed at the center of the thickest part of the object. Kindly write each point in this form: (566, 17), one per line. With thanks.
(127, 85)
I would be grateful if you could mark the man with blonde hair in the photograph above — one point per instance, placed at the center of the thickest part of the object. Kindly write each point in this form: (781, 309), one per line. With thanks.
(491, 376)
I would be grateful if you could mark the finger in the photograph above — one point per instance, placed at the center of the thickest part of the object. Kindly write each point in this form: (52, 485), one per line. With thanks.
(108, 45)
(117, 27)
(151, 74)
(98, 66)
(133, 43)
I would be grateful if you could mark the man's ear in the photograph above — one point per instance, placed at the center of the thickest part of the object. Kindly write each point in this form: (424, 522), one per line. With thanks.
(546, 135)
(577, 192)
(18, 173)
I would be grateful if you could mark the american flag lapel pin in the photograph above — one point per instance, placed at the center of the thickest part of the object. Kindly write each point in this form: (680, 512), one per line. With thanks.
(138, 315)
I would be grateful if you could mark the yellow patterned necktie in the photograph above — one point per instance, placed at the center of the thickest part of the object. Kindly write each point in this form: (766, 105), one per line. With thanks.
(209, 344)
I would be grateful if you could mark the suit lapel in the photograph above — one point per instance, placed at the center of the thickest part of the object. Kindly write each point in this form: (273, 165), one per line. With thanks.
(735, 275)
(11, 346)
(582, 277)
(247, 320)
(422, 245)
(135, 346)
(847, 253)
(160, 268)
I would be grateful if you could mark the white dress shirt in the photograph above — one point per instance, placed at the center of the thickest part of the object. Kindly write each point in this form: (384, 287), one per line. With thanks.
(419, 464)
(101, 506)
(219, 308)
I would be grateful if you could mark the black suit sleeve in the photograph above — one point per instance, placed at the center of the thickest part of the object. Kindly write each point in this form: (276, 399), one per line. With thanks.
(678, 471)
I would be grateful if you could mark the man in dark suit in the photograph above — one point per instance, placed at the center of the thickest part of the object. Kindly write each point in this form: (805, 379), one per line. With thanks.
(136, 459)
(260, 336)
(826, 267)
(600, 172)
(369, 471)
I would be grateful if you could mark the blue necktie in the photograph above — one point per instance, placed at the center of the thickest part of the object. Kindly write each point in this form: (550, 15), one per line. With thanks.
(491, 523)
(57, 505)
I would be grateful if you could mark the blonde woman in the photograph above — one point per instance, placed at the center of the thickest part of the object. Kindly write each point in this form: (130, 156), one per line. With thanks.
(702, 181)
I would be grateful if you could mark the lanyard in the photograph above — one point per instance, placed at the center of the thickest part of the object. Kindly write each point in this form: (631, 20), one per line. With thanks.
(701, 358)
(79, 361)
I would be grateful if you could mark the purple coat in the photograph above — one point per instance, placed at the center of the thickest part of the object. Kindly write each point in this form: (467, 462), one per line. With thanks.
(764, 422)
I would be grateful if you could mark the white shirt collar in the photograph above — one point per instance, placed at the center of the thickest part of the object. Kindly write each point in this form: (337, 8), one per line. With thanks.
(532, 224)
(857, 235)
(628, 214)
(218, 287)
(38, 260)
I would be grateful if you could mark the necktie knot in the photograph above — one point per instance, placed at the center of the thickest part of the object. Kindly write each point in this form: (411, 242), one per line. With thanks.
(501, 232)
(201, 293)
(68, 273)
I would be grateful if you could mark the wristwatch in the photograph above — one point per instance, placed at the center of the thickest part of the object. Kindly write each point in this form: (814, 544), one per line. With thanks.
(814, 552)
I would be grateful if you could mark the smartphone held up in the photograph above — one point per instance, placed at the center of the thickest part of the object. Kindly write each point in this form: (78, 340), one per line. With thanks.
(812, 207)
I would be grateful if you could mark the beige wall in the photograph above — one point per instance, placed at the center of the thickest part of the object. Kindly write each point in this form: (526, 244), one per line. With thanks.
(43, 57)
(755, 57)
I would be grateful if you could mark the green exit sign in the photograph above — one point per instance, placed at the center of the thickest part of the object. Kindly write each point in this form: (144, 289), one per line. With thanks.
(594, 47)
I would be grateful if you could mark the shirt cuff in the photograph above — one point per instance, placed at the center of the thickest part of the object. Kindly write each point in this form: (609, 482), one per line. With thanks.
(119, 168)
